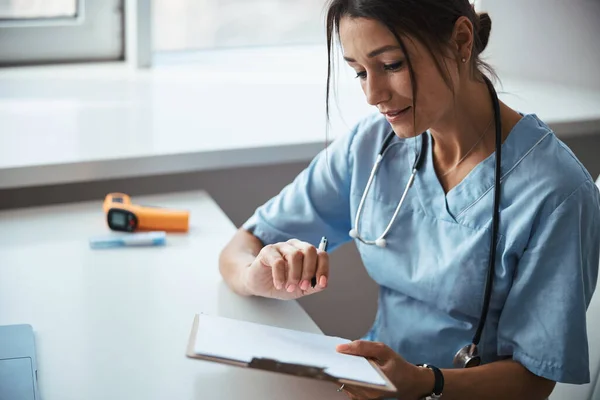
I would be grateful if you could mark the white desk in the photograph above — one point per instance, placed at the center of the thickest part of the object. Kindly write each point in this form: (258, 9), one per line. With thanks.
(114, 324)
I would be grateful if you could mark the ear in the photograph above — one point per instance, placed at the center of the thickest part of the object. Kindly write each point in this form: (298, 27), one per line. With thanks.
(463, 37)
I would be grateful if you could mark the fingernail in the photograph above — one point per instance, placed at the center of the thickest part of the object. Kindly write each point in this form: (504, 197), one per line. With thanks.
(278, 285)
(343, 347)
(304, 285)
(323, 281)
(291, 288)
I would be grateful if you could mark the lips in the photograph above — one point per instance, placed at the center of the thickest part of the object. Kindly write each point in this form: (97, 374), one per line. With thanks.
(395, 115)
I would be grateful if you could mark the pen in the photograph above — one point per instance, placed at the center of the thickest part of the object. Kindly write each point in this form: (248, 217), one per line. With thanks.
(157, 238)
(322, 247)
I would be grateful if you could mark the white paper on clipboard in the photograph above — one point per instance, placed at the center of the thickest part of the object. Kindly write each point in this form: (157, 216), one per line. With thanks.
(242, 341)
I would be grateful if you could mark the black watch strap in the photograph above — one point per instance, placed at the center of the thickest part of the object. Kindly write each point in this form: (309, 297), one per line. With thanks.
(438, 386)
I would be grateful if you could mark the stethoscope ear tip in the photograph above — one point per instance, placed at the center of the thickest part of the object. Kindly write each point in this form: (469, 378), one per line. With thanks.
(353, 233)
(381, 243)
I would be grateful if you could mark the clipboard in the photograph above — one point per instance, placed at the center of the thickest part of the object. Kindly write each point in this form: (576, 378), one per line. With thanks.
(299, 370)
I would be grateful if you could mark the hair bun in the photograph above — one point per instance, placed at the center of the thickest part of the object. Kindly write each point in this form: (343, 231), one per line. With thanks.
(485, 27)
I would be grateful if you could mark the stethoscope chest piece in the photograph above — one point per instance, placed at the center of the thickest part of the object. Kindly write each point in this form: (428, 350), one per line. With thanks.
(467, 357)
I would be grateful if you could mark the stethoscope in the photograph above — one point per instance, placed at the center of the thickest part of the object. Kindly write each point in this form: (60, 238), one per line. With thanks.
(467, 356)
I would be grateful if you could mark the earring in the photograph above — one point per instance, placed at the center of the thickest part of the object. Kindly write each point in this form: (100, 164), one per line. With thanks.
(464, 60)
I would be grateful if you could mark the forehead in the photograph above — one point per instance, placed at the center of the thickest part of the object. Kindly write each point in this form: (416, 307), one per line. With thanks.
(359, 36)
(362, 31)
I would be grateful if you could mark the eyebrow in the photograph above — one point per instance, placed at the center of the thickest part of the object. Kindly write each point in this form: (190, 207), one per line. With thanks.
(376, 52)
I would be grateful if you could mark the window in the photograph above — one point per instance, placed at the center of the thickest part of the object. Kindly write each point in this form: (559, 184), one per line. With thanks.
(184, 25)
(21, 9)
(43, 31)
(210, 24)
(46, 31)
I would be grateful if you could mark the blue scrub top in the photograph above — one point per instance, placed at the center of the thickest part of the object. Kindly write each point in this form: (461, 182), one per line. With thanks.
(432, 272)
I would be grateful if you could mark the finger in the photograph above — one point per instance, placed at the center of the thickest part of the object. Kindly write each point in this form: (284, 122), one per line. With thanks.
(322, 273)
(309, 263)
(365, 348)
(294, 259)
(271, 257)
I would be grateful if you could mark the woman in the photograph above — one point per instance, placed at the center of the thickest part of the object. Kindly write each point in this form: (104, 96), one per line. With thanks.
(418, 63)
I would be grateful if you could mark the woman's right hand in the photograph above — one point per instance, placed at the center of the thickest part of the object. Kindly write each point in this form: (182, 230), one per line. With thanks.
(284, 270)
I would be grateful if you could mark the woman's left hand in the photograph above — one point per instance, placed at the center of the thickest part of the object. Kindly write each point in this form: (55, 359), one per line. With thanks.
(411, 381)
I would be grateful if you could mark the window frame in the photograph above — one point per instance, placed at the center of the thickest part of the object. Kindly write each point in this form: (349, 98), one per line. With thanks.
(84, 37)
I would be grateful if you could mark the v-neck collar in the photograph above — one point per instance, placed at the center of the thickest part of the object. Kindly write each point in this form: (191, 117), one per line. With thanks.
(430, 190)
(480, 180)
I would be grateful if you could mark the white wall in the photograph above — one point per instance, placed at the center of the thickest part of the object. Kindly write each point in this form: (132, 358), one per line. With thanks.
(554, 40)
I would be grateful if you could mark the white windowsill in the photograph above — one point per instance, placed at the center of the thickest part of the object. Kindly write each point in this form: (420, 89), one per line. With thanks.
(79, 123)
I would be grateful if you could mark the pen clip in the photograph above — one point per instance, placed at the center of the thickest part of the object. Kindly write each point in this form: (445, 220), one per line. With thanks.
(323, 244)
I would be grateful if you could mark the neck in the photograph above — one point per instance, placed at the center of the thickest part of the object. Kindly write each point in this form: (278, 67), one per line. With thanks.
(456, 132)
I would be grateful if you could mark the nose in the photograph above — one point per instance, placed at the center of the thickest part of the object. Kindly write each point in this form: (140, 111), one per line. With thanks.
(376, 90)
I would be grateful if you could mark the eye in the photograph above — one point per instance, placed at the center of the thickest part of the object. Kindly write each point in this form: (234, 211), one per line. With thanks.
(361, 74)
(394, 66)
(387, 67)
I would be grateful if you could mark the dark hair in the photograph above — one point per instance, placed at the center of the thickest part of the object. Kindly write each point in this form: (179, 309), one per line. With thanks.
(431, 22)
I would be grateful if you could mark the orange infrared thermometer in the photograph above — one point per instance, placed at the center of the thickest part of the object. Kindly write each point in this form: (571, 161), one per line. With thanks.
(122, 215)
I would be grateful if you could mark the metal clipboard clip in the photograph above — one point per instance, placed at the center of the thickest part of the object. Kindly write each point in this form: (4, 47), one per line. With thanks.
(306, 371)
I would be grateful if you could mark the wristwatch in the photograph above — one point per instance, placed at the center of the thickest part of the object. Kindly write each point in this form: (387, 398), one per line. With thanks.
(438, 386)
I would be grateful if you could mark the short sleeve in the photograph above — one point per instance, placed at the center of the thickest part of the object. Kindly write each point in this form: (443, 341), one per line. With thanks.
(315, 204)
(543, 323)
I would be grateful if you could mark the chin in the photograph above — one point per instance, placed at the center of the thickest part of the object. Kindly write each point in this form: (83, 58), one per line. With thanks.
(405, 131)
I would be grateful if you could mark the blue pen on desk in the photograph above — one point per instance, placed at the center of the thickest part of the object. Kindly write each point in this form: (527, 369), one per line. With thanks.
(322, 247)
